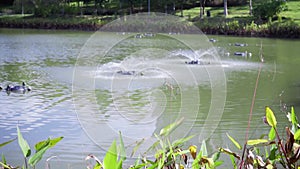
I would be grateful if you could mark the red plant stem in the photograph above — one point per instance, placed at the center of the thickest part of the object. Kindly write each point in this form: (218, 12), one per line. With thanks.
(282, 148)
(250, 114)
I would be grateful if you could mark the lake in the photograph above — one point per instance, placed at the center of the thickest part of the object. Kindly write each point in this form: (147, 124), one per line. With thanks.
(89, 86)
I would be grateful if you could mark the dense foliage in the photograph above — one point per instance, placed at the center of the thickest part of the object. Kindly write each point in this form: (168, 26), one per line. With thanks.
(268, 9)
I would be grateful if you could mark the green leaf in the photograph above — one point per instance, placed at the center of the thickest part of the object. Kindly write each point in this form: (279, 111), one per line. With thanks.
(233, 161)
(110, 159)
(257, 141)
(271, 119)
(4, 165)
(272, 134)
(293, 116)
(136, 147)
(171, 127)
(33, 160)
(218, 163)
(294, 120)
(41, 148)
(3, 159)
(7, 142)
(122, 148)
(297, 135)
(203, 149)
(179, 142)
(216, 156)
(234, 142)
(42, 144)
(23, 144)
(54, 141)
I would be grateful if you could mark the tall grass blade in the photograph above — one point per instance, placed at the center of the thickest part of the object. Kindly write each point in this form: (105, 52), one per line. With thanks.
(122, 148)
(171, 127)
(234, 141)
(204, 149)
(23, 144)
(256, 142)
(7, 142)
(136, 147)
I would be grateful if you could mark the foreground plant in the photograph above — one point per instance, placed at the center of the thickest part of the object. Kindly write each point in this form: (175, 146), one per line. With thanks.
(40, 149)
(167, 154)
(285, 152)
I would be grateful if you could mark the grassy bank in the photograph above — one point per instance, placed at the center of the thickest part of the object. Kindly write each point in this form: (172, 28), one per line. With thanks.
(238, 22)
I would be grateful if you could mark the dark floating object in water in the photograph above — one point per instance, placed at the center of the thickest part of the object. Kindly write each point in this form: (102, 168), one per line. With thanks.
(241, 44)
(18, 89)
(212, 40)
(244, 54)
(122, 72)
(196, 62)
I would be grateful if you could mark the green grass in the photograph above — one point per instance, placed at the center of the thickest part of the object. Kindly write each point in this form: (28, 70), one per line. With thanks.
(293, 11)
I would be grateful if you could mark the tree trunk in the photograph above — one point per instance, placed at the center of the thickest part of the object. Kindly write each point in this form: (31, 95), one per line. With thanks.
(250, 8)
(201, 10)
(225, 8)
(181, 10)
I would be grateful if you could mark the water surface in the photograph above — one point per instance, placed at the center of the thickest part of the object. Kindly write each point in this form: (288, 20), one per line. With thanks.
(79, 94)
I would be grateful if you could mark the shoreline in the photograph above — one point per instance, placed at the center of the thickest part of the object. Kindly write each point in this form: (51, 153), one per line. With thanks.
(281, 30)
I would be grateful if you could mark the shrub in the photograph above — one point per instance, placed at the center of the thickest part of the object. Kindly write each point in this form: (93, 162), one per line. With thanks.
(268, 9)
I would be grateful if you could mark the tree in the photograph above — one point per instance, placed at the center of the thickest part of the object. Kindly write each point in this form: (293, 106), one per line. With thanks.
(225, 8)
(202, 7)
(250, 7)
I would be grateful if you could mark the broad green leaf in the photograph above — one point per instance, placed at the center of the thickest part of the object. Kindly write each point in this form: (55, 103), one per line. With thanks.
(42, 144)
(218, 163)
(119, 165)
(257, 141)
(51, 142)
(204, 149)
(271, 119)
(216, 156)
(110, 159)
(23, 144)
(7, 142)
(272, 134)
(54, 141)
(33, 160)
(171, 127)
(297, 135)
(41, 148)
(234, 142)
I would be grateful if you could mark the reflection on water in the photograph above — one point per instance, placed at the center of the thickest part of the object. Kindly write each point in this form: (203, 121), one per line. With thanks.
(162, 89)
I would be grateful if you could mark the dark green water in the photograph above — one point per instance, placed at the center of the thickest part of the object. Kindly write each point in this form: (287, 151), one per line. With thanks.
(77, 92)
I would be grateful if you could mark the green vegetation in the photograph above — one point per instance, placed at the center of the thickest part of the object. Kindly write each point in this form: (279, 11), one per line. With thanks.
(40, 149)
(269, 151)
(270, 18)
